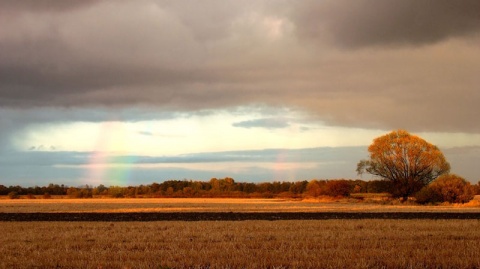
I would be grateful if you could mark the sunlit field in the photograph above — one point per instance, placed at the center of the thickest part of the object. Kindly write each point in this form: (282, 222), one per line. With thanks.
(218, 205)
(334, 243)
(242, 244)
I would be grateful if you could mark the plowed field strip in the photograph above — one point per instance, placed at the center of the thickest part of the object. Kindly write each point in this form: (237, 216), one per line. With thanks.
(225, 216)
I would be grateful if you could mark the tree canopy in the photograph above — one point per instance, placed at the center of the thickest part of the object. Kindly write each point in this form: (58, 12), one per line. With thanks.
(406, 160)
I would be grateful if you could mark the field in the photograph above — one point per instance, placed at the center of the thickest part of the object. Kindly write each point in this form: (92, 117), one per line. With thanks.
(331, 243)
(218, 205)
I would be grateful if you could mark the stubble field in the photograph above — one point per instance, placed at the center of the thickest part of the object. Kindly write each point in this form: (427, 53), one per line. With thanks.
(330, 243)
(136, 205)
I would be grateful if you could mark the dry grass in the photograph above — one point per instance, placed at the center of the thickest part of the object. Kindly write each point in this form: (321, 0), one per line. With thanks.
(217, 205)
(237, 244)
(244, 244)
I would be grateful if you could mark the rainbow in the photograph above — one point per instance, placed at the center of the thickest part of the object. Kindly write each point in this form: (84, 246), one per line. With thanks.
(111, 162)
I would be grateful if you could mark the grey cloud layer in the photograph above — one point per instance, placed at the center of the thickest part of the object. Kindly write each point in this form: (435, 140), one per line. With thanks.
(388, 22)
(268, 123)
(14, 7)
(321, 155)
(178, 55)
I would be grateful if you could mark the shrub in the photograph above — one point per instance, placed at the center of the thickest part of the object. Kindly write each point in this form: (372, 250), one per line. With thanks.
(428, 196)
(13, 195)
(447, 188)
(453, 188)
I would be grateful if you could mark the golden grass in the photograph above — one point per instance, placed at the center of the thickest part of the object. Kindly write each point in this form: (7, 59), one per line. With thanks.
(218, 205)
(243, 244)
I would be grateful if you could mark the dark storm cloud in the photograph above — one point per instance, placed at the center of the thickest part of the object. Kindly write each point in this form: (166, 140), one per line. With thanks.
(364, 23)
(7, 6)
(174, 56)
(22, 117)
(119, 54)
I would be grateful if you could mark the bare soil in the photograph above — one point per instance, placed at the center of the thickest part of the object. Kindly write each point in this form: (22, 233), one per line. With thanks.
(231, 216)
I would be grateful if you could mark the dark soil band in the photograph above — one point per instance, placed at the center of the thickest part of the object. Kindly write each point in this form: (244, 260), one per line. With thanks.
(229, 216)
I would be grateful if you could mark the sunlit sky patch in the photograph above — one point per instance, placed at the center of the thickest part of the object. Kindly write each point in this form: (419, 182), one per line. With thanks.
(221, 131)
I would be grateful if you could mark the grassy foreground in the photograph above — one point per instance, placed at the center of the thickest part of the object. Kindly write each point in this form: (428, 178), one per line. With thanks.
(244, 244)
(363, 243)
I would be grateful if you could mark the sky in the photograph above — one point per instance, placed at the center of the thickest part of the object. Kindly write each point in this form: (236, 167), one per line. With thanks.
(134, 92)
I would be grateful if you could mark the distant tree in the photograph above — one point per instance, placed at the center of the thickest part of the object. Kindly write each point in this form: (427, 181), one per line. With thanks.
(228, 184)
(188, 192)
(116, 192)
(100, 190)
(74, 192)
(56, 189)
(298, 187)
(169, 191)
(143, 190)
(3, 190)
(17, 189)
(86, 192)
(314, 188)
(131, 192)
(264, 187)
(407, 161)
(338, 188)
(154, 187)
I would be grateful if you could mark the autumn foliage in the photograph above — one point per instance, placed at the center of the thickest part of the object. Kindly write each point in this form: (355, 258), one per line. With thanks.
(214, 188)
(407, 161)
(449, 188)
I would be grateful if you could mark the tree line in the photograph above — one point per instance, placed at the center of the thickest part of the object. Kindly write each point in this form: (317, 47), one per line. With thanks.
(226, 187)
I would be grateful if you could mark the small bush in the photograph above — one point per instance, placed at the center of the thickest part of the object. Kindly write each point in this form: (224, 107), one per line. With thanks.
(453, 189)
(447, 188)
(428, 196)
(13, 195)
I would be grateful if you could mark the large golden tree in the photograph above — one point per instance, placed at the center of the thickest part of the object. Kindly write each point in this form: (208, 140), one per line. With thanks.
(407, 161)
